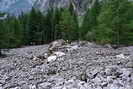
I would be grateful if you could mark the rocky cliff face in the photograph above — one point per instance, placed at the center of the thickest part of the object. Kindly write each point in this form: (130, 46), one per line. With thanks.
(4, 4)
(18, 6)
(80, 6)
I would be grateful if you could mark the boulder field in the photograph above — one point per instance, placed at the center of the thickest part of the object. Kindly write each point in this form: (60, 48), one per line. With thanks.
(82, 65)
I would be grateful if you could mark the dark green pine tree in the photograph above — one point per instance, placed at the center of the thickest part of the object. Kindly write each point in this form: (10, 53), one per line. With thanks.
(49, 26)
(32, 26)
(75, 18)
(68, 26)
(113, 22)
(3, 36)
(35, 27)
(24, 21)
(53, 21)
(17, 32)
(57, 17)
(90, 22)
(14, 31)
(124, 23)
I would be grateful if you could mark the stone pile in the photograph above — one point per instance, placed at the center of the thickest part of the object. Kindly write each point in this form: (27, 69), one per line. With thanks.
(79, 65)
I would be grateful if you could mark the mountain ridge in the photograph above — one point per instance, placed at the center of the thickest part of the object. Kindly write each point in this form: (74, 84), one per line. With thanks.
(15, 7)
(18, 6)
(80, 6)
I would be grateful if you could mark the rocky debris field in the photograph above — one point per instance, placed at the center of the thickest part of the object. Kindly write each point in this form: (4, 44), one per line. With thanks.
(73, 66)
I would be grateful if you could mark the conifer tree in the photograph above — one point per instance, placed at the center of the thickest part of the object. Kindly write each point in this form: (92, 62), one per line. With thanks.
(68, 26)
(75, 18)
(57, 17)
(49, 26)
(13, 30)
(24, 21)
(17, 32)
(52, 24)
(90, 21)
(113, 21)
(35, 26)
(3, 39)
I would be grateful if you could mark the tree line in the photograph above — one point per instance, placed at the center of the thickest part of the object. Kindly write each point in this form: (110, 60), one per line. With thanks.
(109, 21)
(106, 22)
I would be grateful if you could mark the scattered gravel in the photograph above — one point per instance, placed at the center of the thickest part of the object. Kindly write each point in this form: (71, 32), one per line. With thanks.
(81, 66)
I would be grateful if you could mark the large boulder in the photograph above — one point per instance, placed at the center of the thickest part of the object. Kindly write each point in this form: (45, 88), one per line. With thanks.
(55, 56)
(55, 45)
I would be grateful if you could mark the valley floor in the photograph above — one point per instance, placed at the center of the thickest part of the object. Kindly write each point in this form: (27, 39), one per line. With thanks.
(87, 66)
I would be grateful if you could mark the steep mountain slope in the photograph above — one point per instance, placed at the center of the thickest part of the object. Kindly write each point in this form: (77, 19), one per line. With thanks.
(16, 6)
(80, 6)
(4, 4)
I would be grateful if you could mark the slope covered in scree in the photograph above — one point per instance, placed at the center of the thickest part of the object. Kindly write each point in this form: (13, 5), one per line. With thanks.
(81, 65)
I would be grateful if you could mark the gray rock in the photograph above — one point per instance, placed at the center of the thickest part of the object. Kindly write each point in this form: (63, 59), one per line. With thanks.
(129, 64)
(54, 46)
(82, 68)
(32, 86)
(1, 86)
(45, 85)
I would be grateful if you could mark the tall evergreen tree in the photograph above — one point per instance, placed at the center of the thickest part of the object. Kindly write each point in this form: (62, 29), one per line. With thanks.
(75, 18)
(24, 21)
(90, 21)
(113, 21)
(3, 38)
(49, 25)
(35, 26)
(68, 26)
(57, 17)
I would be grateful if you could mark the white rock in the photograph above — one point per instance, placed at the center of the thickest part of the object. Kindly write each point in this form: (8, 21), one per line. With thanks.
(32, 86)
(126, 73)
(121, 56)
(75, 47)
(113, 87)
(72, 48)
(64, 87)
(44, 85)
(70, 81)
(1, 87)
(52, 58)
(90, 43)
(97, 80)
(56, 44)
(59, 87)
(99, 88)
(128, 87)
(46, 55)
(59, 54)
(35, 58)
(129, 64)
(16, 88)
